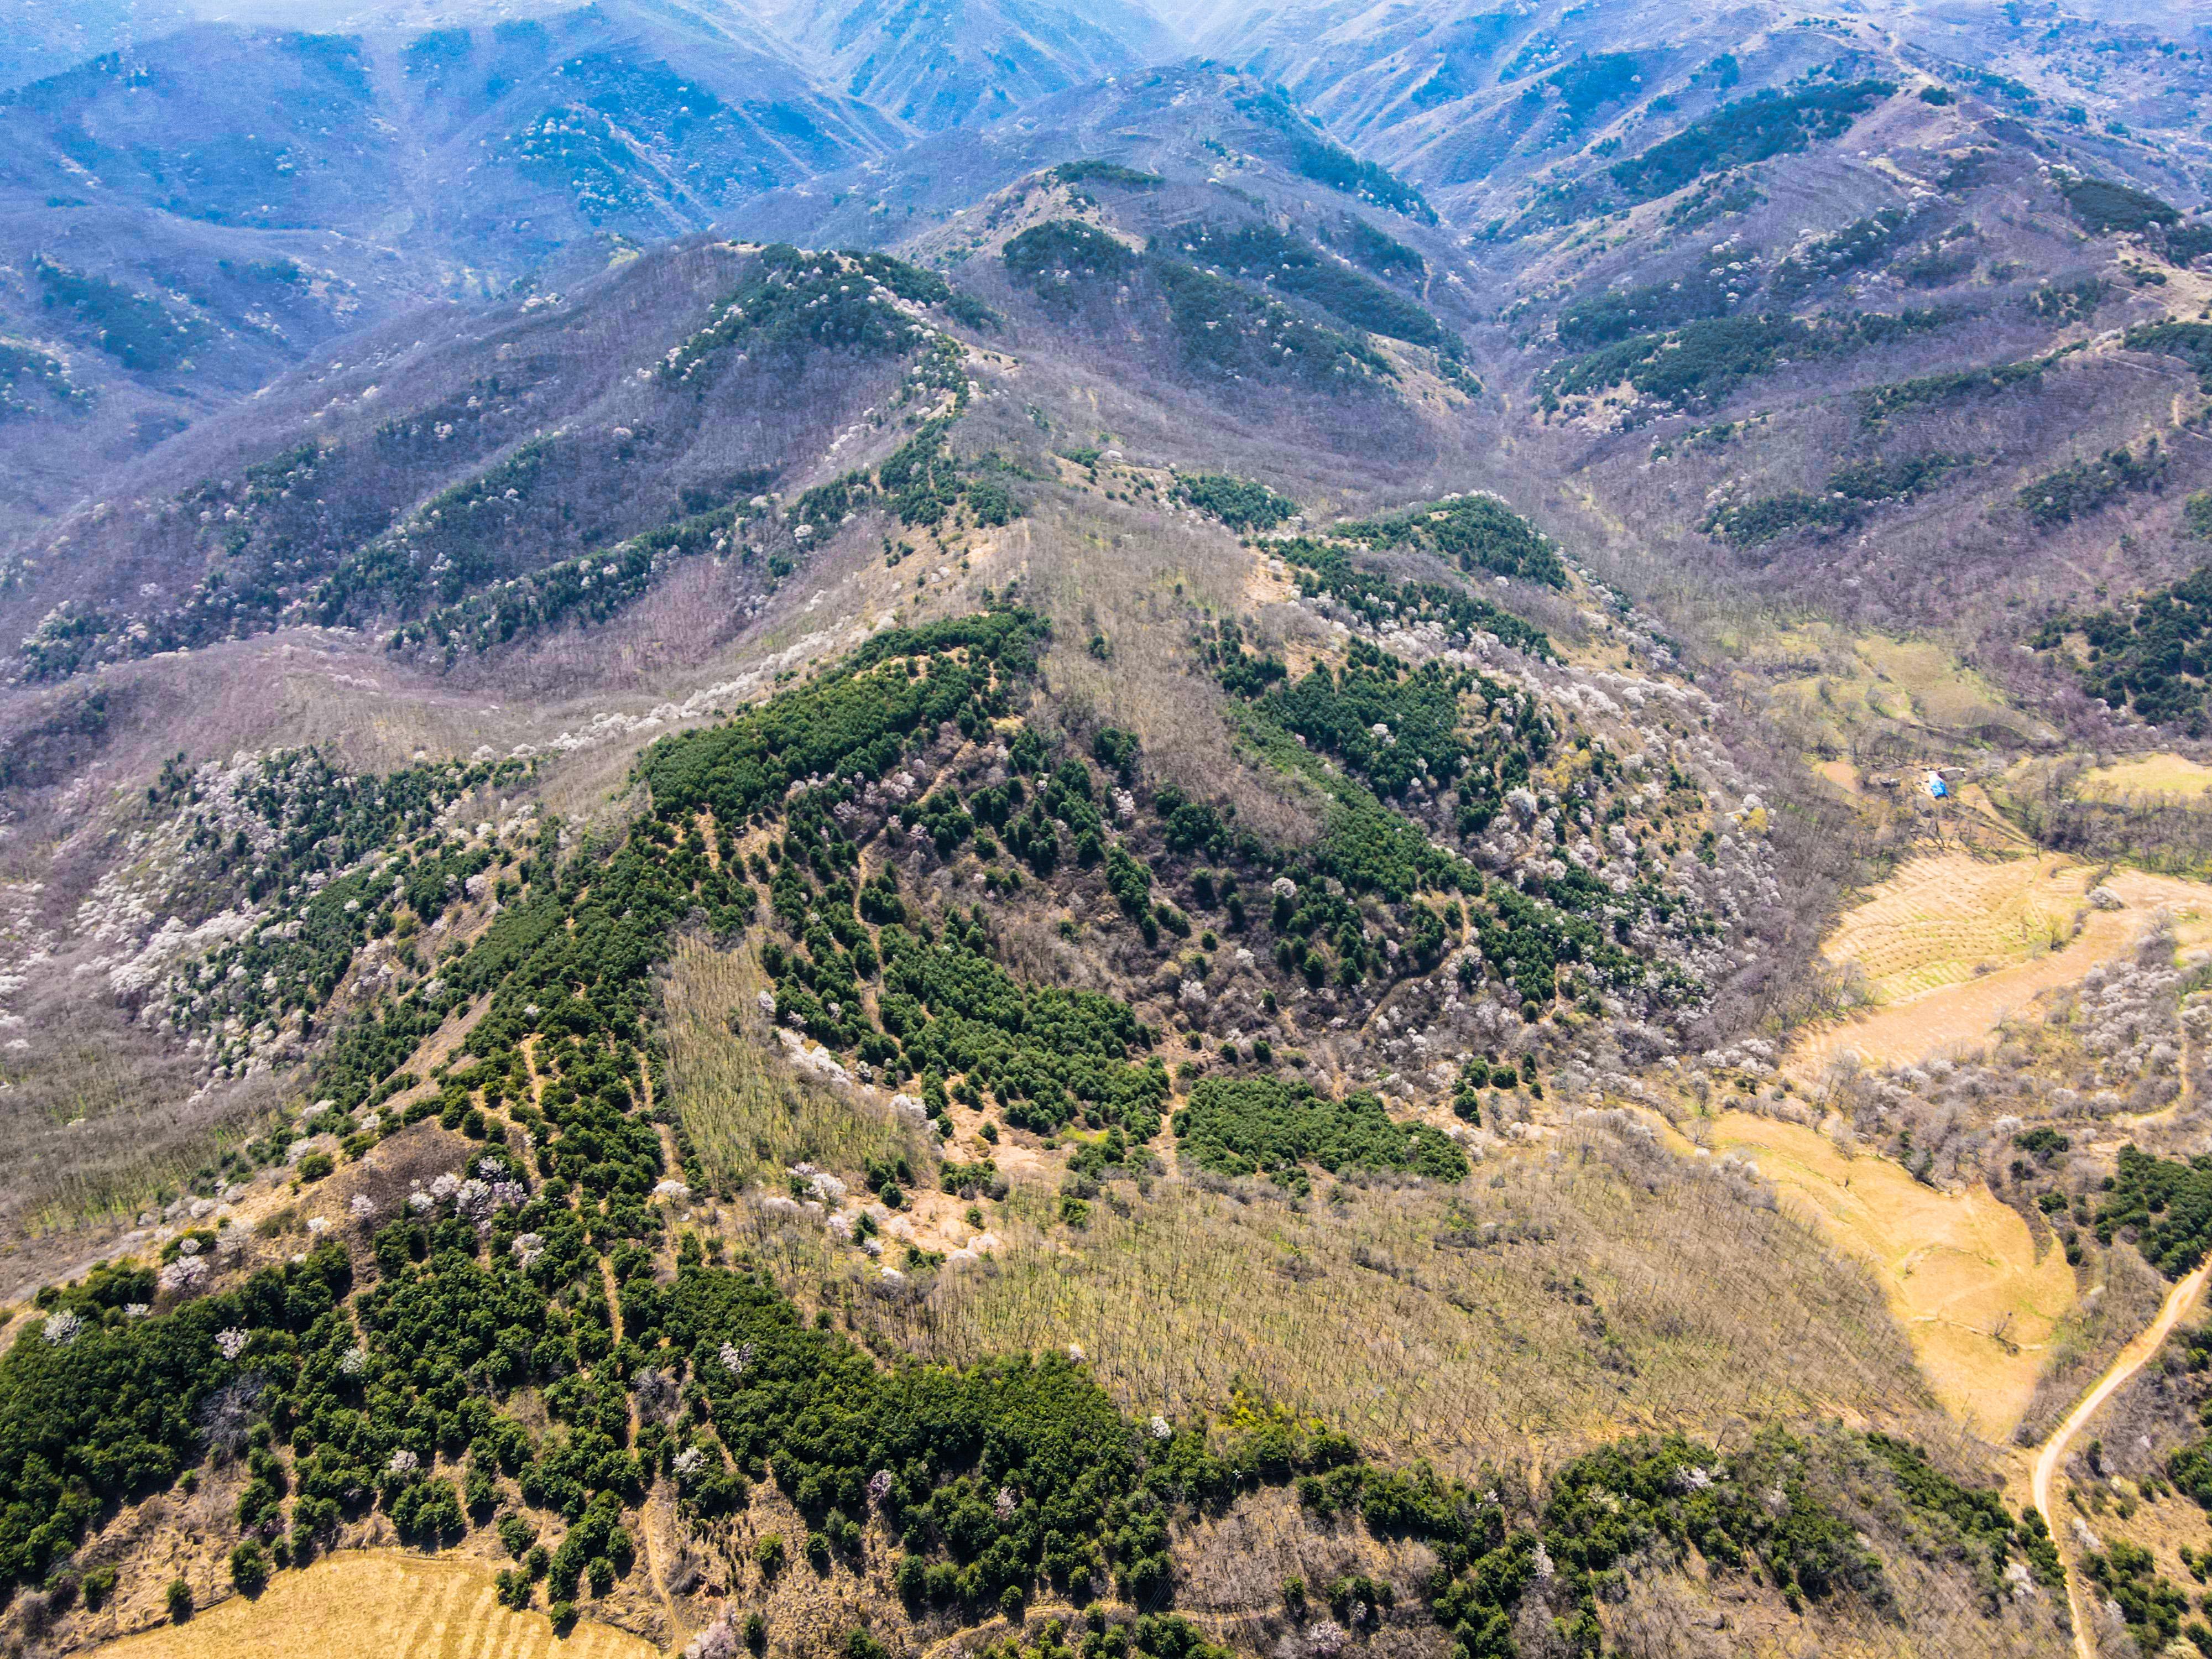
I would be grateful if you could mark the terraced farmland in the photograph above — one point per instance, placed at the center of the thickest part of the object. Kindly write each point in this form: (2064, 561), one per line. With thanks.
(1941, 921)
(381, 1601)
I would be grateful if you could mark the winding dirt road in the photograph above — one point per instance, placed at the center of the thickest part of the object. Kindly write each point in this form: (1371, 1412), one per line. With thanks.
(2129, 1360)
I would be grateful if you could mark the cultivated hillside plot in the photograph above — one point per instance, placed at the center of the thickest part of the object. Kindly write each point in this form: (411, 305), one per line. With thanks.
(1940, 920)
(2174, 776)
(384, 1603)
(1964, 1277)
(1952, 945)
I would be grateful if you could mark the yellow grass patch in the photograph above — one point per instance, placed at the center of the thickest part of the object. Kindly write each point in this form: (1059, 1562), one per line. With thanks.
(1915, 930)
(1393, 1315)
(2147, 775)
(1840, 773)
(1859, 681)
(1942, 692)
(1941, 919)
(384, 1603)
(749, 1113)
(1959, 1269)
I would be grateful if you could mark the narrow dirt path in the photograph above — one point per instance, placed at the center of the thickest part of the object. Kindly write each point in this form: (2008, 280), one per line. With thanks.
(648, 1544)
(2129, 1360)
(650, 1524)
(651, 1548)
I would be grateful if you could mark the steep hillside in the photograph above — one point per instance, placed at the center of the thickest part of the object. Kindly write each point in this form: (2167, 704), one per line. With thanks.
(896, 832)
(46, 37)
(1910, 341)
(1305, 843)
(1482, 108)
(182, 225)
(830, 840)
(954, 66)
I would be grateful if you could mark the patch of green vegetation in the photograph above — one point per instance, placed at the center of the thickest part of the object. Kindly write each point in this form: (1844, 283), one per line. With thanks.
(2068, 302)
(449, 547)
(64, 640)
(1937, 268)
(1614, 1502)
(921, 479)
(579, 150)
(431, 55)
(364, 1397)
(2188, 241)
(1106, 172)
(1315, 158)
(2151, 1606)
(1265, 1126)
(135, 328)
(2104, 205)
(2081, 487)
(1858, 245)
(106, 1405)
(1998, 86)
(1237, 502)
(1618, 313)
(1367, 848)
(25, 369)
(268, 273)
(1288, 264)
(2162, 1205)
(285, 519)
(1061, 257)
(1528, 936)
(1931, 390)
(1047, 1056)
(2197, 516)
(1714, 198)
(921, 482)
(1534, 938)
(1852, 492)
(1221, 328)
(923, 287)
(1752, 130)
(1476, 533)
(793, 300)
(592, 589)
(1376, 600)
(1589, 84)
(1702, 362)
(2191, 1465)
(1148, 1636)
(1374, 250)
(2190, 342)
(344, 857)
(2152, 655)
(861, 714)
(1970, 1523)
(1713, 435)
(1391, 725)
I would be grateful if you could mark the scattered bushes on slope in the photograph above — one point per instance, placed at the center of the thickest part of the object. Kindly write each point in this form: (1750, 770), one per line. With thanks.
(1851, 493)
(2080, 488)
(1237, 502)
(1265, 1126)
(1476, 533)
